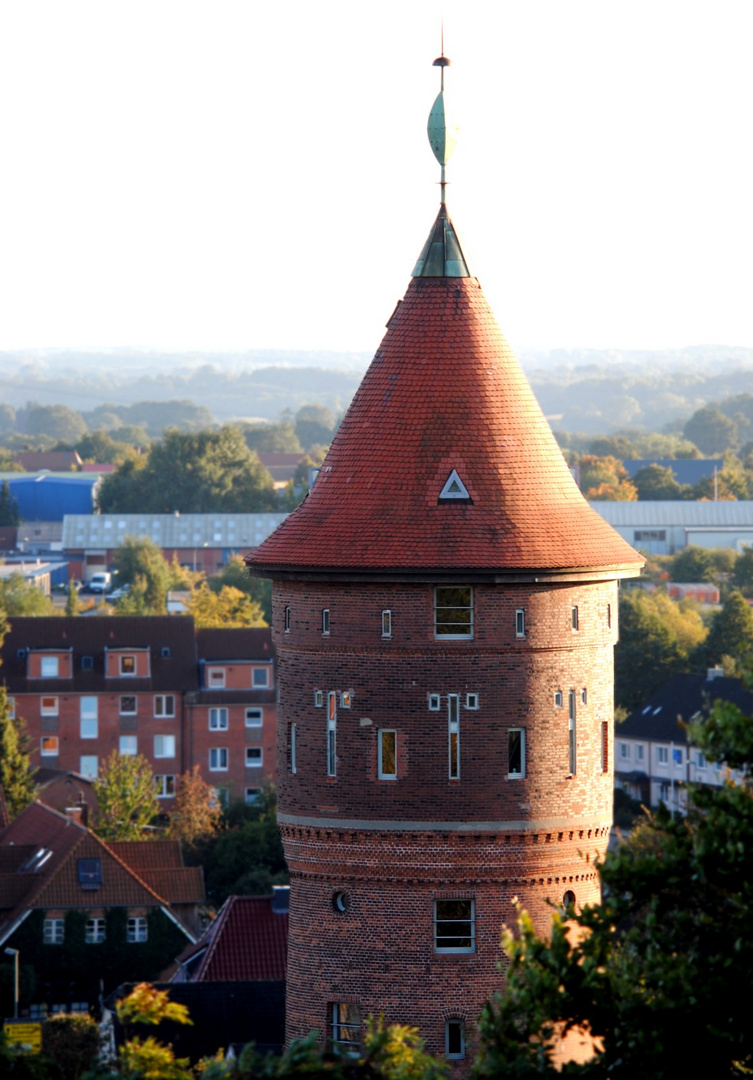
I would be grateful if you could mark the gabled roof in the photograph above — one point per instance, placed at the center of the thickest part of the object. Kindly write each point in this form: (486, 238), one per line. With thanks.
(234, 644)
(443, 392)
(248, 941)
(679, 700)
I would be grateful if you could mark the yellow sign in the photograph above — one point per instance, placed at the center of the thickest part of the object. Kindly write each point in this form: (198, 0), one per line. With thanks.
(24, 1033)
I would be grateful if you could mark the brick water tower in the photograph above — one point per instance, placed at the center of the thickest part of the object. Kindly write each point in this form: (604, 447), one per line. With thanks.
(444, 614)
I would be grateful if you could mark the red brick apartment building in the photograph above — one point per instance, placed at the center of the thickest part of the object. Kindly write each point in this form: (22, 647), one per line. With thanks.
(444, 614)
(146, 685)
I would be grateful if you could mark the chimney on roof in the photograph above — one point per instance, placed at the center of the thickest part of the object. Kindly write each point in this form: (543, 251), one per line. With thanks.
(714, 673)
(280, 899)
(77, 814)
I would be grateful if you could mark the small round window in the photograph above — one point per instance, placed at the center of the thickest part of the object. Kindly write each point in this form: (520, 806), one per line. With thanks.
(341, 902)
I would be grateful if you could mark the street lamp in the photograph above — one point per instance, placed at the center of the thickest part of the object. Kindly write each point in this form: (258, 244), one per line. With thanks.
(14, 954)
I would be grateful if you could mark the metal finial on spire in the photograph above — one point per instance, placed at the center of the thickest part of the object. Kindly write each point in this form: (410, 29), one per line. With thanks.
(441, 131)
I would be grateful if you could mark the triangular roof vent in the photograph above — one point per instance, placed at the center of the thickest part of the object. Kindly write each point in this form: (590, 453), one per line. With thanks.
(454, 489)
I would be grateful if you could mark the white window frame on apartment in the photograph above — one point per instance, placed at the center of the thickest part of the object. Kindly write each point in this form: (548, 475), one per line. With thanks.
(164, 746)
(128, 745)
(252, 760)
(260, 678)
(137, 930)
(516, 752)
(218, 718)
(447, 918)
(164, 706)
(332, 733)
(89, 717)
(49, 667)
(128, 661)
(164, 785)
(520, 622)
(254, 717)
(49, 746)
(49, 706)
(572, 733)
(124, 710)
(662, 755)
(95, 932)
(53, 931)
(453, 736)
(387, 754)
(216, 677)
(89, 765)
(448, 606)
(386, 623)
(219, 755)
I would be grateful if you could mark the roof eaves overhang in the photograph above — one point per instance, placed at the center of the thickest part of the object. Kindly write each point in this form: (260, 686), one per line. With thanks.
(515, 575)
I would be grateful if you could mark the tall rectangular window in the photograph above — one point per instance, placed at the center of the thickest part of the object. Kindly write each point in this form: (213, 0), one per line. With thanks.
(287, 620)
(293, 749)
(89, 724)
(454, 1039)
(136, 931)
(604, 746)
(386, 624)
(53, 931)
(218, 720)
(95, 931)
(454, 926)
(127, 665)
(49, 667)
(332, 733)
(346, 1025)
(453, 611)
(128, 744)
(453, 733)
(218, 759)
(520, 623)
(609, 616)
(516, 753)
(88, 765)
(387, 754)
(574, 616)
(164, 705)
(571, 731)
(260, 677)
(325, 621)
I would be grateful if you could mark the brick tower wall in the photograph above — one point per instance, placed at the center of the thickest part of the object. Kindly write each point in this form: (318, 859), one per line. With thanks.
(386, 850)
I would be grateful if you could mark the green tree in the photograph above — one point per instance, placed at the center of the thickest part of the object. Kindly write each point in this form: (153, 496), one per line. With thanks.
(730, 634)
(16, 774)
(314, 424)
(657, 637)
(605, 478)
(72, 1042)
(742, 572)
(71, 600)
(228, 607)
(271, 438)
(693, 564)
(9, 514)
(235, 575)
(196, 818)
(658, 482)
(193, 473)
(658, 975)
(127, 803)
(19, 597)
(246, 858)
(141, 564)
(57, 422)
(711, 431)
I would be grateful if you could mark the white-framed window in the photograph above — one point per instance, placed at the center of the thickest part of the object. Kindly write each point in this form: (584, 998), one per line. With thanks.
(218, 720)
(88, 766)
(558, 699)
(454, 926)
(453, 735)
(254, 757)
(260, 677)
(53, 931)
(571, 740)
(252, 794)
(662, 755)
(325, 621)
(346, 699)
(454, 1040)
(216, 677)
(387, 754)
(95, 931)
(471, 701)
(254, 717)
(346, 1025)
(664, 791)
(453, 611)
(639, 752)
(624, 750)
(520, 622)
(49, 746)
(89, 711)
(128, 705)
(127, 665)
(128, 745)
(332, 733)
(164, 705)
(386, 624)
(287, 620)
(48, 706)
(574, 617)
(435, 702)
(516, 753)
(318, 699)
(49, 667)
(137, 930)
(218, 759)
(164, 786)
(293, 749)
(584, 696)
(164, 746)
(700, 760)
(11, 703)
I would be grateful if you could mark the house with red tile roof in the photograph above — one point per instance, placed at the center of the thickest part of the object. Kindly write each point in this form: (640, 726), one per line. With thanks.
(86, 915)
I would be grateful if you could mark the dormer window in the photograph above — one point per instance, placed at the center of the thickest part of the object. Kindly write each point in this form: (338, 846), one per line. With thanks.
(89, 873)
(127, 665)
(216, 677)
(50, 667)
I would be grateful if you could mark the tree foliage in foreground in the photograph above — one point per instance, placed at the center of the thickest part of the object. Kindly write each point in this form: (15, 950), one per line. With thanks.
(16, 774)
(659, 974)
(126, 798)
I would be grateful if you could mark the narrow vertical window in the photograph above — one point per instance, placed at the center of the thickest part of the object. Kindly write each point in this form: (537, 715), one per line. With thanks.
(584, 696)
(574, 615)
(332, 733)
(325, 620)
(571, 731)
(516, 753)
(520, 623)
(387, 755)
(453, 731)
(293, 764)
(454, 1039)
(609, 616)
(558, 698)
(287, 620)
(605, 747)
(386, 624)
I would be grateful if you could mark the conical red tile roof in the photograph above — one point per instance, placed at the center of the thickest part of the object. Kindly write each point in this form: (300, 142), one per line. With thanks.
(444, 392)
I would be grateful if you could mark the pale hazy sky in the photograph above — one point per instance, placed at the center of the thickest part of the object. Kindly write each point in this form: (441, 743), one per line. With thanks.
(256, 174)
